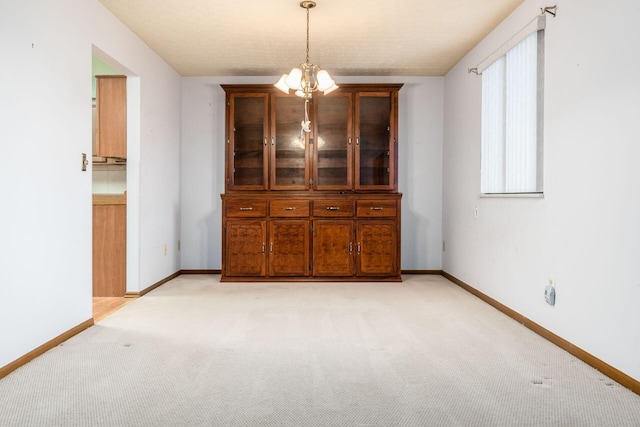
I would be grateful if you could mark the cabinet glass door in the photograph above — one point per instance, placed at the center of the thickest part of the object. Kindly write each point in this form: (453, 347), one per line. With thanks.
(247, 154)
(375, 146)
(289, 144)
(334, 141)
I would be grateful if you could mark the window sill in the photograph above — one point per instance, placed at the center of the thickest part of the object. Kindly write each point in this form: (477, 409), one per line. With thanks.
(512, 195)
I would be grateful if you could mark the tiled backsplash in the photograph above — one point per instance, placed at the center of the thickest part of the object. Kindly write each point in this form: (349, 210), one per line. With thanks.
(109, 178)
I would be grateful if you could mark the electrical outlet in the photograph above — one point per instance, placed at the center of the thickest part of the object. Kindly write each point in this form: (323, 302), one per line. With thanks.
(475, 213)
(164, 249)
(179, 245)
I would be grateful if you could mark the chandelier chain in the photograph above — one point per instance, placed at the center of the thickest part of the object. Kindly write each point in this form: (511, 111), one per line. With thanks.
(307, 35)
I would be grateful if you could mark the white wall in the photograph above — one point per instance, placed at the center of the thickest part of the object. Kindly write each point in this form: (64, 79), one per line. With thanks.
(585, 232)
(45, 125)
(420, 167)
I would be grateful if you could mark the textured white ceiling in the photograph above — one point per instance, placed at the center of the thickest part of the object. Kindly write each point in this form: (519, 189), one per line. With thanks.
(354, 38)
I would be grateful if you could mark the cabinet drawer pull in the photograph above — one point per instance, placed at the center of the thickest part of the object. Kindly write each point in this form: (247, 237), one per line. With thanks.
(290, 208)
(246, 209)
(333, 208)
(265, 140)
(376, 208)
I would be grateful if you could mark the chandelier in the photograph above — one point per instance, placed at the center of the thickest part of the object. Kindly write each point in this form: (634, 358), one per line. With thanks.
(307, 78)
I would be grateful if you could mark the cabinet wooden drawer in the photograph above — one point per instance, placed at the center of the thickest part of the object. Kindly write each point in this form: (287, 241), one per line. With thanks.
(376, 208)
(246, 208)
(333, 208)
(289, 208)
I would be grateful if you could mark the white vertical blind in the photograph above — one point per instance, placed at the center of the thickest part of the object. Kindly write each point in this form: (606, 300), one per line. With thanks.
(493, 130)
(509, 121)
(521, 116)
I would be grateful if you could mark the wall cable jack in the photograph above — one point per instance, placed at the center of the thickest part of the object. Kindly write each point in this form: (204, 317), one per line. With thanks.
(549, 9)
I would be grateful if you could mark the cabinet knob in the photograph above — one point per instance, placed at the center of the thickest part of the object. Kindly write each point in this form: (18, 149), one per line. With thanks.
(349, 139)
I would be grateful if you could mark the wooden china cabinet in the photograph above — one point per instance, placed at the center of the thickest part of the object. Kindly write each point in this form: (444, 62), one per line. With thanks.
(318, 205)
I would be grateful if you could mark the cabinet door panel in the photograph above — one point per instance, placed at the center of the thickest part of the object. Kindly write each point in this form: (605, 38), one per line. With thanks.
(109, 250)
(333, 248)
(333, 152)
(377, 248)
(247, 154)
(289, 146)
(289, 248)
(375, 141)
(111, 120)
(245, 248)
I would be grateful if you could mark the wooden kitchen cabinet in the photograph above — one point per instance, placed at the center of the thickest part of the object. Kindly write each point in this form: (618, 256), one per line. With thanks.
(318, 205)
(111, 117)
(109, 246)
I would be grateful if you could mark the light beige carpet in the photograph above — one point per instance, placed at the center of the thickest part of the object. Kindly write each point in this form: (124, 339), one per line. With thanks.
(196, 352)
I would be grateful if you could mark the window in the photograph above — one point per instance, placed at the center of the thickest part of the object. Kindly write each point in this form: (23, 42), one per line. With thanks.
(511, 140)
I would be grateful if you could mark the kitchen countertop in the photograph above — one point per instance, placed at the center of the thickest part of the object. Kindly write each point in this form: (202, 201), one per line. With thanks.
(110, 199)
